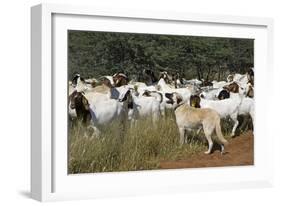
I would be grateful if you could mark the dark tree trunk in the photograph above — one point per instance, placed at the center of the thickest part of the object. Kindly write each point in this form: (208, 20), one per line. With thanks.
(219, 73)
(198, 73)
(208, 74)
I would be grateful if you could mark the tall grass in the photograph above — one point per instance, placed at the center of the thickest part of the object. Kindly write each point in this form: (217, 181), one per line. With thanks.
(140, 147)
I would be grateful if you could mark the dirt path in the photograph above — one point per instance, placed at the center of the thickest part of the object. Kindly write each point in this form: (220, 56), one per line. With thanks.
(240, 151)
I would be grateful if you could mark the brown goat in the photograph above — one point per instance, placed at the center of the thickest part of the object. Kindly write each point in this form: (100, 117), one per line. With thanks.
(230, 78)
(167, 78)
(233, 87)
(120, 79)
(250, 92)
(250, 76)
(81, 105)
(206, 83)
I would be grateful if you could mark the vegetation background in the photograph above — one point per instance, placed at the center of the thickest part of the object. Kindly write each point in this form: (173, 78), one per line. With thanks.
(94, 54)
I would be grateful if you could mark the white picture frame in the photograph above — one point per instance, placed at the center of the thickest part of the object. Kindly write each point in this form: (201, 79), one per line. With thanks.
(49, 179)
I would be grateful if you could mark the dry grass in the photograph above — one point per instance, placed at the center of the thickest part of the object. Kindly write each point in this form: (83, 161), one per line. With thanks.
(134, 148)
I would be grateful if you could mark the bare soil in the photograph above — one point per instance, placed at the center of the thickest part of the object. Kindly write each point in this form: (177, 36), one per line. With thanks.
(239, 151)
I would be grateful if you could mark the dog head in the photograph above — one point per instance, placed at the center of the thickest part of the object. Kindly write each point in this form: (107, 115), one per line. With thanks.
(195, 101)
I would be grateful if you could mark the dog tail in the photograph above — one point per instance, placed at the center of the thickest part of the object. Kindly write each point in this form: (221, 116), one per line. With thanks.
(219, 133)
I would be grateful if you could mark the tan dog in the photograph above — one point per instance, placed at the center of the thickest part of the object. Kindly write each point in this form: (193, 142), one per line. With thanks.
(189, 118)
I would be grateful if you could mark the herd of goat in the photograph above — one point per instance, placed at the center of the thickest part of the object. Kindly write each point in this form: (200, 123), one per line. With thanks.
(99, 102)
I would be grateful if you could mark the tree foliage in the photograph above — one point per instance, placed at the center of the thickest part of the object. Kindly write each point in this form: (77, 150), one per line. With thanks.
(94, 54)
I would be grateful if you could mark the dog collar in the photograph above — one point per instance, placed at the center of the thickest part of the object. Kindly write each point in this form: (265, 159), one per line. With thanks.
(179, 105)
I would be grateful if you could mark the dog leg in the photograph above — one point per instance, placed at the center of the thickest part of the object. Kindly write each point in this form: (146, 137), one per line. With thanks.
(222, 149)
(181, 130)
(210, 144)
(208, 129)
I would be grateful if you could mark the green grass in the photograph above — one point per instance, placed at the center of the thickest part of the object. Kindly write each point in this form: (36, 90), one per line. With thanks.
(134, 148)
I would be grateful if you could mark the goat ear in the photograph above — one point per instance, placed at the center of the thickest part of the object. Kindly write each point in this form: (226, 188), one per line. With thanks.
(179, 99)
(226, 88)
(157, 87)
(135, 88)
(76, 94)
(85, 103)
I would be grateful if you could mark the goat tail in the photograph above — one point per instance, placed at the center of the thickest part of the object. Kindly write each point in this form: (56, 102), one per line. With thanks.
(219, 133)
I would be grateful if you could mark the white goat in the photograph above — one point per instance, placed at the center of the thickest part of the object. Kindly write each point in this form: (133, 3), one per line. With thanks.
(110, 78)
(166, 88)
(105, 93)
(247, 106)
(137, 84)
(192, 82)
(141, 106)
(218, 85)
(240, 79)
(79, 84)
(105, 112)
(225, 108)
(159, 97)
(211, 94)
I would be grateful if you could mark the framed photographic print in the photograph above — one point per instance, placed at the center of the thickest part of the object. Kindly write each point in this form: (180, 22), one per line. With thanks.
(137, 102)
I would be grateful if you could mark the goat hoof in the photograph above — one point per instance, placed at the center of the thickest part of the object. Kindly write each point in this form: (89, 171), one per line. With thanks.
(207, 152)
